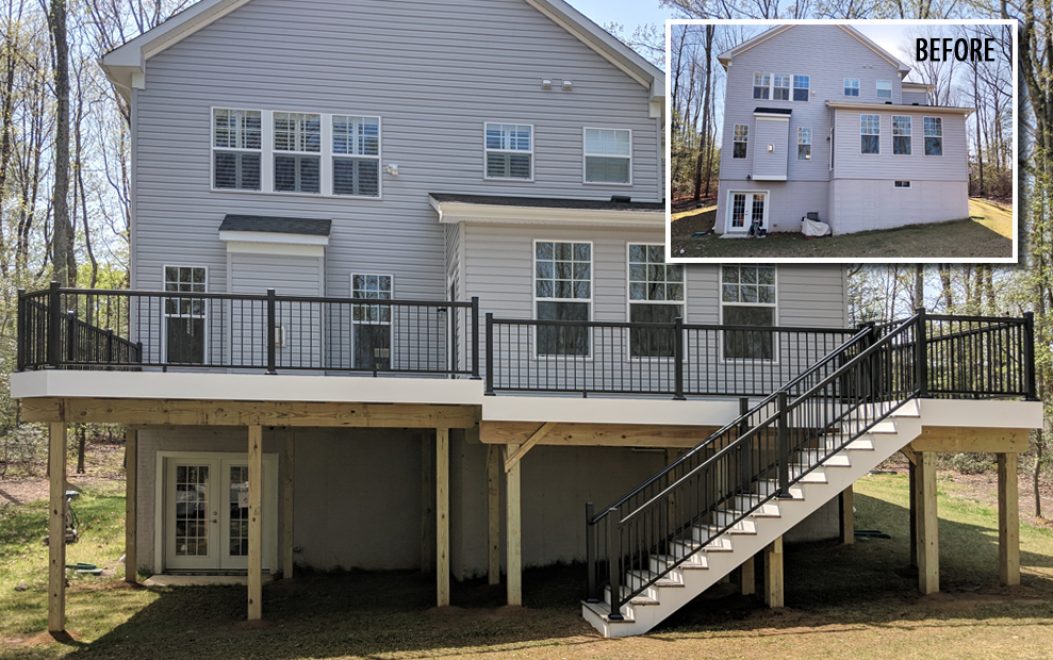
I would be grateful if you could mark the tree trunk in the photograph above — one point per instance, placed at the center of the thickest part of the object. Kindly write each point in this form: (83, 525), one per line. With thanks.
(63, 260)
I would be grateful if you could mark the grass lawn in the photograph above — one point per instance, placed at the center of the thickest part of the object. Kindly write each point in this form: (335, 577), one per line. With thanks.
(841, 601)
(986, 233)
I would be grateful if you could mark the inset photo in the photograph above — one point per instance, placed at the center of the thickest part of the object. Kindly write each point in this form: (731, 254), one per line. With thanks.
(841, 141)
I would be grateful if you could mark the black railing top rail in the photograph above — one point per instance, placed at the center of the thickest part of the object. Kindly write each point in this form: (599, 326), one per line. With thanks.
(641, 325)
(735, 423)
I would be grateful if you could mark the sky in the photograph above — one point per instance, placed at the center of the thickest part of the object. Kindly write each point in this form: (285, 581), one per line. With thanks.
(629, 13)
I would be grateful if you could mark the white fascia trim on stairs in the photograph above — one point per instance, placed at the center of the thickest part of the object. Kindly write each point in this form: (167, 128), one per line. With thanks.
(981, 414)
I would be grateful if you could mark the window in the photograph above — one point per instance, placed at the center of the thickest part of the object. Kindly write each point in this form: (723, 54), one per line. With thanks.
(509, 151)
(748, 298)
(781, 90)
(297, 147)
(356, 156)
(800, 88)
(742, 134)
(903, 184)
(870, 134)
(762, 86)
(185, 317)
(804, 144)
(933, 136)
(236, 149)
(851, 86)
(656, 295)
(901, 135)
(608, 155)
(884, 89)
(371, 324)
(563, 292)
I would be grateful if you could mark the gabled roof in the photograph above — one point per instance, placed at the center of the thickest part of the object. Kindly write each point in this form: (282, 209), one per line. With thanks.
(727, 56)
(126, 65)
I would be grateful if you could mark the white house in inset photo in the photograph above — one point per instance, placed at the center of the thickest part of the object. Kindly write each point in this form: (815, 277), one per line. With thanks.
(819, 123)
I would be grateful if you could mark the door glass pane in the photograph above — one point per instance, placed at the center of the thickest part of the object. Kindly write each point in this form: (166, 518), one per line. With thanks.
(758, 209)
(239, 511)
(191, 510)
(738, 210)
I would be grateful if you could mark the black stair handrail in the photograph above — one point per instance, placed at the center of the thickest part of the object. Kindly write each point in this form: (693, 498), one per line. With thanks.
(655, 528)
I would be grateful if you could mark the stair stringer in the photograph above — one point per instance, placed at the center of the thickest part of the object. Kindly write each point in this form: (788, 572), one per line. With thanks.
(821, 485)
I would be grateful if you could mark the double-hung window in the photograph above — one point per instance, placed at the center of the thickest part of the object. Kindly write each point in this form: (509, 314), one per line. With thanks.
(901, 125)
(656, 295)
(801, 86)
(371, 324)
(563, 292)
(740, 141)
(884, 89)
(356, 156)
(748, 300)
(781, 87)
(933, 136)
(297, 152)
(762, 86)
(804, 144)
(608, 155)
(869, 134)
(185, 316)
(236, 149)
(851, 86)
(509, 151)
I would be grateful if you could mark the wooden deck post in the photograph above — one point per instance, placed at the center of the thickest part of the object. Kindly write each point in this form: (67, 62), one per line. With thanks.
(255, 459)
(912, 481)
(442, 516)
(928, 525)
(1008, 520)
(131, 477)
(288, 506)
(748, 577)
(848, 516)
(427, 503)
(57, 528)
(774, 578)
(513, 541)
(493, 514)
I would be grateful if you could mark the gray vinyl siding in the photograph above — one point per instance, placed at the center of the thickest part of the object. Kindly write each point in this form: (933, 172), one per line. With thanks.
(850, 163)
(921, 98)
(774, 132)
(434, 77)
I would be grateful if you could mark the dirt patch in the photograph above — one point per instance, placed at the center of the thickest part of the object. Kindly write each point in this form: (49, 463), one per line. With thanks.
(685, 227)
(103, 469)
(984, 488)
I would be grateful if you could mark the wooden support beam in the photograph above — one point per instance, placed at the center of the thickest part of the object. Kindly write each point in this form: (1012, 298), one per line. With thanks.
(593, 435)
(255, 459)
(57, 528)
(427, 503)
(1008, 520)
(172, 412)
(514, 536)
(288, 506)
(912, 482)
(493, 514)
(909, 454)
(928, 525)
(846, 502)
(131, 489)
(774, 577)
(535, 437)
(957, 439)
(748, 577)
(442, 516)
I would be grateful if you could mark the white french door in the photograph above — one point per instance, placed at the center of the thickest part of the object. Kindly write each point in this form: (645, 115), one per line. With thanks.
(206, 507)
(746, 208)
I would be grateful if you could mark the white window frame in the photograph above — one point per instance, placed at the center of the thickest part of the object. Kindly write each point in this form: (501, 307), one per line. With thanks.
(585, 155)
(323, 171)
(206, 353)
(536, 299)
(533, 148)
(845, 87)
(789, 86)
(261, 151)
(861, 134)
(925, 136)
(267, 155)
(391, 316)
(735, 140)
(333, 156)
(629, 302)
(767, 86)
(749, 210)
(794, 88)
(878, 89)
(909, 134)
(801, 130)
(776, 353)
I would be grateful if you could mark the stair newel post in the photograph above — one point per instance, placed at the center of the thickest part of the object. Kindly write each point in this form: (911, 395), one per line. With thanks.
(71, 336)
(489, 354)
(745, 450)
(921, 354)
(1029, 356)
(475, 338)
(21, 331)
(678, 358)
(54, 345)
(614, 560)
(783, 448)
(272, 321)
(590, 552)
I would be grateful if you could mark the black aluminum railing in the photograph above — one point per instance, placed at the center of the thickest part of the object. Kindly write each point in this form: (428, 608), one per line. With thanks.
(96, 329)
